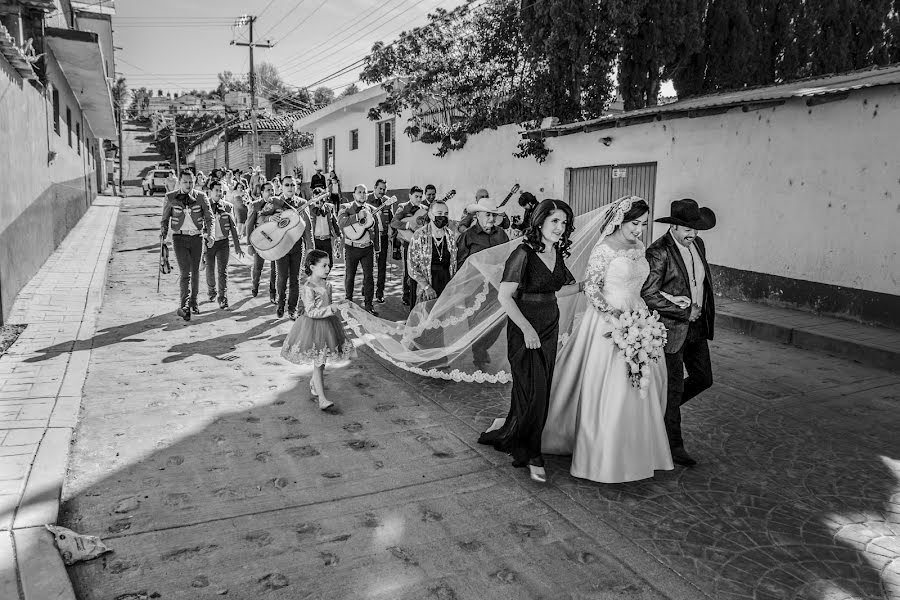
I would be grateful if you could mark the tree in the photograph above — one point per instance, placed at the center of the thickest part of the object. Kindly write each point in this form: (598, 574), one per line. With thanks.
(229, 82)
(322, 96)
(140, 100)
(473, 69)
(654, 36)
(762, 42)
(120, 94)
(349, 90)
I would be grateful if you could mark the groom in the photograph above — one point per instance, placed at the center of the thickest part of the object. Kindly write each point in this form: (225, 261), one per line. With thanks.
(679, 288)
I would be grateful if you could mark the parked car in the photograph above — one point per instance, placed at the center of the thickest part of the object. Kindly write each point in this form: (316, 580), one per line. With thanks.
(164, 165)
(155, 181)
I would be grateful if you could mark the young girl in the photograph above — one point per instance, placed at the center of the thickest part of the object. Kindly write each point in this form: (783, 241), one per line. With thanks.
(317, 336)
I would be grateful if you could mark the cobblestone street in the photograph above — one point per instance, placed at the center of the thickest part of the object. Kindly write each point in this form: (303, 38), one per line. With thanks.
(201, 462)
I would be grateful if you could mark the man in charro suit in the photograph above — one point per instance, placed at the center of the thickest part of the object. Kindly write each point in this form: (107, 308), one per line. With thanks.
(359, 252)
(679, 288)
(186, 211)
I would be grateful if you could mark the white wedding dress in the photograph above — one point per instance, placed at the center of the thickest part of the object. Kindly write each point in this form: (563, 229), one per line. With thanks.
(596, 415)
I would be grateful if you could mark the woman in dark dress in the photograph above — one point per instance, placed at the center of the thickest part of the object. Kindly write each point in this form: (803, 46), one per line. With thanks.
(534, 276)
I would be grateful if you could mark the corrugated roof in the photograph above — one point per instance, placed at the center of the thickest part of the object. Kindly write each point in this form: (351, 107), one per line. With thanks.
(45, 5)
(14, 55)
(813, 89)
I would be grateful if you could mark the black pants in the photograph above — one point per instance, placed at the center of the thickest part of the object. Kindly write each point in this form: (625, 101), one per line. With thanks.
(409, 284)
(382, 266)
(287, 269)
(325, 246)
(258, 263)
(693, 356)
(217, 269)
(354, 257)
(188, 249)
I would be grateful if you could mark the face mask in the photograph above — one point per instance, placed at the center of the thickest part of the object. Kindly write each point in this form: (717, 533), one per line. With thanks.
(440, 222)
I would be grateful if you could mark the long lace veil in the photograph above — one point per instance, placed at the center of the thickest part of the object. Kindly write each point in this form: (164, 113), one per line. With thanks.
(461, 336)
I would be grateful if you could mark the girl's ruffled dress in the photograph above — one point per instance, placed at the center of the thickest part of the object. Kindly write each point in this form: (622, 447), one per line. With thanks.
(317, 336)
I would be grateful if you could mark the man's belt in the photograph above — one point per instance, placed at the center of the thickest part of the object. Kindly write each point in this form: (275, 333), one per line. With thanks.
(186, 232)
(353, 244)
(323, 237)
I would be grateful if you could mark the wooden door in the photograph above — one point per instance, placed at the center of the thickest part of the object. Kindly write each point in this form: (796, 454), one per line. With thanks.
(588, 188)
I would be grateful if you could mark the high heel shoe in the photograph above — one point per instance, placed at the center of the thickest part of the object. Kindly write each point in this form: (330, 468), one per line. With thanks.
(538, 474)
(325, 404)
(312, 392)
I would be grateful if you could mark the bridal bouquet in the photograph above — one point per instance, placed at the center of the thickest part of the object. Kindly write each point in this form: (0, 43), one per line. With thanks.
(641, 336)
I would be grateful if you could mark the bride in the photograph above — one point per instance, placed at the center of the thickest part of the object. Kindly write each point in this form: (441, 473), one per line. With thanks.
(596, 415)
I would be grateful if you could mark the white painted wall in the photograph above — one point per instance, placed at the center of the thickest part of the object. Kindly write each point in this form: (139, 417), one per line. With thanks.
(810, 193)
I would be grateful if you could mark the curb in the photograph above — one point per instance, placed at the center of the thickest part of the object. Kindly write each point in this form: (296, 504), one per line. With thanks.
(809, 339)
(39, 571)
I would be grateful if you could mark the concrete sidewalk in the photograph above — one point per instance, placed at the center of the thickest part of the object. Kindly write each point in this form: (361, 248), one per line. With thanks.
(40, 401)
(871, 346)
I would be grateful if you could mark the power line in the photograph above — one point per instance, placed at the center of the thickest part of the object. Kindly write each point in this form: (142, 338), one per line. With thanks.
(374, 25)
(351, 30)
(282, 20)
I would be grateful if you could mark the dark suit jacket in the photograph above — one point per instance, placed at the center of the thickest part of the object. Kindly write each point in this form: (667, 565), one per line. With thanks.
(669, 274)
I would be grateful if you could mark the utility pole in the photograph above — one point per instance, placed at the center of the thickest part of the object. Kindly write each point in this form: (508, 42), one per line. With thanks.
(175, 139)
(121, 148)
(249, 20)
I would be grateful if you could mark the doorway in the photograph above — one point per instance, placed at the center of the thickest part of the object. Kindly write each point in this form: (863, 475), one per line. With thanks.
(589, 188)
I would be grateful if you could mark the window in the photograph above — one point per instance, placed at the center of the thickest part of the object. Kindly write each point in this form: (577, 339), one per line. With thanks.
(56, 110)
(386, 147)
(78, 137)
(354, 139)
(328, 154)
(69, 124)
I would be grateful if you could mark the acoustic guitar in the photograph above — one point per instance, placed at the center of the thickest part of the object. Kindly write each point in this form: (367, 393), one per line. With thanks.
(366, 220)
(274, 238)
(416, 221)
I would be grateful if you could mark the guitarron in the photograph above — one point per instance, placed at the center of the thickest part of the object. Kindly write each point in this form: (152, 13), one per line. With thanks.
(366, 219)
(275, 238)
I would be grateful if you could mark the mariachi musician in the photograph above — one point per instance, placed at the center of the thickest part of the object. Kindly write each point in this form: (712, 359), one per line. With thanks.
(360, 251)
(267, 189)
(325, 230)
(398, 224)
(288, 267)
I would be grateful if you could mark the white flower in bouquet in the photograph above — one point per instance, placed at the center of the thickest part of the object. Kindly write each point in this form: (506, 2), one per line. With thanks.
(640, 336)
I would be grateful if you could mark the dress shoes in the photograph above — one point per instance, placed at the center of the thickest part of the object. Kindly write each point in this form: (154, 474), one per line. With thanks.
(292, 315)
(195, 309)
(279, 313)
(184, 312)
(212, 297)
(681, 457)
(371, 309)
(223, 303)
(272, 299)
(254, 292)
(380, 299)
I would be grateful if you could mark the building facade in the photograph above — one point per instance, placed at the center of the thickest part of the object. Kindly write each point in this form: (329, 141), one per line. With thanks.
(803, 177)
(216, 151)
(55, 113)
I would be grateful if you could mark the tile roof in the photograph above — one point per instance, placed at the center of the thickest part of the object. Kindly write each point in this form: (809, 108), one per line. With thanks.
(279, 123)
(812, 89)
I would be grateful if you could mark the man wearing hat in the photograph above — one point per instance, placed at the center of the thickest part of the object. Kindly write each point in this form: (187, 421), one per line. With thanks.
(679, 288)
(469, 218)
(484, 234)
(318, 180)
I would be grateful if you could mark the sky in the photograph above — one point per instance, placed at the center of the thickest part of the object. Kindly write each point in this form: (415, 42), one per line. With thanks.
(180, 45)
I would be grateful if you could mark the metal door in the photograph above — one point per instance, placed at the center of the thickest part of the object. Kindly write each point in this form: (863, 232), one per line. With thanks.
(588, 188)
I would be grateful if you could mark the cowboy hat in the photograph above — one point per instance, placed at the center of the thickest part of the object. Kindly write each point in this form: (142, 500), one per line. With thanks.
(484, 205)
(687, 213)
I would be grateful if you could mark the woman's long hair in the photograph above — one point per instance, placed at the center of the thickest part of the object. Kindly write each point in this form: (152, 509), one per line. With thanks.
(540, 214)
